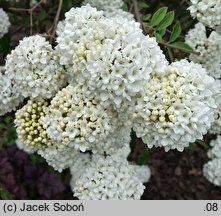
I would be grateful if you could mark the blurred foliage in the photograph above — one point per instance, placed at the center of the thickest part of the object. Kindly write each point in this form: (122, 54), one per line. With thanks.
(7, 131)
(4, 194)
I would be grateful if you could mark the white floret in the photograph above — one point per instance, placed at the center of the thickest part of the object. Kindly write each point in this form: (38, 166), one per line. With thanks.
(212, 171)
(35, 69)
(108, 179)
(4, 23)
(206, 11)
(177, 107)
(10, 97)
(109, 55)
(208, 47)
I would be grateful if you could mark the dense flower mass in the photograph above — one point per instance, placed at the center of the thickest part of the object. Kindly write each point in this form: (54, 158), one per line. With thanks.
(77, 119)
(109, 55)
(4, 23)
(209, 49)
(207, 12)
(9, 96)
(35, 68)
(29, 127)
(105, 5)
(108, 178)
(177, 107)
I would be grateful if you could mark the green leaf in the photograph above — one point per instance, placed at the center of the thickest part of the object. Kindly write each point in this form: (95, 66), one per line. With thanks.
(143, 159)
(146, 17)
(158, 37)
(176, 32)
(125, 7)
(182, 45)
(158, 16)
(162, 32)
(167, 21)
(5, 195)
(142, 5)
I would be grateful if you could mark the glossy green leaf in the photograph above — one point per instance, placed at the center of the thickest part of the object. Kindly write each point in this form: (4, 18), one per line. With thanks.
(158, 16)
(167, 20)
(176, 32)
(158, 37)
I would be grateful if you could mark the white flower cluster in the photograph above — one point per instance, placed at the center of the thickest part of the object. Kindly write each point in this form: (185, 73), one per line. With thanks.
(4, 23)
(117, 79)
(206, 11)
(35, 68)
(9, 96)
(212, 169)
(177, 107)
(209, 49)
(105, 5)
(78, 120)
(107, 55)
(107, 178)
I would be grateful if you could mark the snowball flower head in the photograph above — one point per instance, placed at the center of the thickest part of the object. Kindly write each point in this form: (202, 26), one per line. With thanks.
(109, 55)
(212, 171)
(177, 107)
(77, 119)
(35, 68)
(206, 11)
(209, 49)
(108, 179)
(4, 23)
(9, 96)
(29, 127)
(105, 5)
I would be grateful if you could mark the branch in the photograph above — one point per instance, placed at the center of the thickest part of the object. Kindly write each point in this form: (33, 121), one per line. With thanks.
(56, 20)
(137, 16)
(179, 48)
(30, 11)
